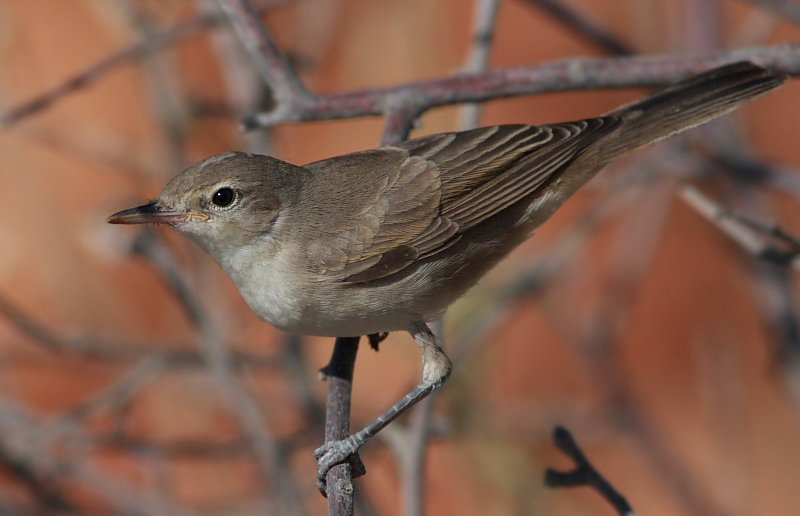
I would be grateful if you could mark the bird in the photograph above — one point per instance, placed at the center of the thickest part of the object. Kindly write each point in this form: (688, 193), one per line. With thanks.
(387, 239)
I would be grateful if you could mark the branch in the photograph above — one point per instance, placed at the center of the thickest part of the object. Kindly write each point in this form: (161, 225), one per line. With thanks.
(62, 465)
(584, 474)
(288, 91)
(339, 375)
(116, 394)
(477, 60)
(582, 28)
(154, 42)
(566, 75)
(93, 348)
(748, 232)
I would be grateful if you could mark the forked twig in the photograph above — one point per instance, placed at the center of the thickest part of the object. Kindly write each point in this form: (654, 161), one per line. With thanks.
(753, 235)
(584, 474)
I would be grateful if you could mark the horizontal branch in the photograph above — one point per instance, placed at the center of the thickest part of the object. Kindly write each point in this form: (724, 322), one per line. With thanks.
(558, 76)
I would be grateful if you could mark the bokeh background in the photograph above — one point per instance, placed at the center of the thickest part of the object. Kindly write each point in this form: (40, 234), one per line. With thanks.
(668, 350)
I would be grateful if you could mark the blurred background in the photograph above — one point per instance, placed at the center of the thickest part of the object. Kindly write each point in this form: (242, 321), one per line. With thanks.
(669, 351)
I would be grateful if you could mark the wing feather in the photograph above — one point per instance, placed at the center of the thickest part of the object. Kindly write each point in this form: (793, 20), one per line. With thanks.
(446, 185)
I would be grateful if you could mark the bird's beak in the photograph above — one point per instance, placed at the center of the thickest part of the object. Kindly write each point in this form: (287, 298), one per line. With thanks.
(152, 213)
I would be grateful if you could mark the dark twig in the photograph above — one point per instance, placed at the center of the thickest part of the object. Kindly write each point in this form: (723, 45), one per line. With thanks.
(584, 475)
(566, 75)
(582, 27)
(339, 374)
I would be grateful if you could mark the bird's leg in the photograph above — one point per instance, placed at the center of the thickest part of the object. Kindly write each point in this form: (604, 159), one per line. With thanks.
(435, 370)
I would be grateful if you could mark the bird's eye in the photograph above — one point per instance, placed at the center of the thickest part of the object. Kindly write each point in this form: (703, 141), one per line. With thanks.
(223, 197)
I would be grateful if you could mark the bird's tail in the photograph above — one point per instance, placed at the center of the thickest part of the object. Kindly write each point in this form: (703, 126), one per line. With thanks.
(688, 103)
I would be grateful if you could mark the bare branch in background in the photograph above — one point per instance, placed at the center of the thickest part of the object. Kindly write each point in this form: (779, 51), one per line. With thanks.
(288, 91)
(399, 122)
(583, 28)
(118, 393)
(410, 444)
(584, 474)
(758, 237)
(787, 9)
(155, 41)
(266, 449)
(104, 350)
(483, 25)
(50, 467)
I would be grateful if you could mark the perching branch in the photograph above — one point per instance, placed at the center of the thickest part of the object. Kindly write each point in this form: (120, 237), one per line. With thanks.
(339, 375)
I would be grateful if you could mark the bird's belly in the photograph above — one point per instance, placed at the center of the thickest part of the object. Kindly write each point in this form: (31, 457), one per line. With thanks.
(318, 306)
(322, 314)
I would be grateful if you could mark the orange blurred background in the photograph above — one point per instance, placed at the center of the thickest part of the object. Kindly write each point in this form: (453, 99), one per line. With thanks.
(650, 342)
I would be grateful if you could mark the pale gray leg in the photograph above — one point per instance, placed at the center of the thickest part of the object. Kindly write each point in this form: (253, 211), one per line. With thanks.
(435, 370)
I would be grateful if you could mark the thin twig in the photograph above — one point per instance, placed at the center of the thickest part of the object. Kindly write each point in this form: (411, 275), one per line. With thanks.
(583, 28)
(414, 457)
(152, 43)
(273, 66)
(52, 467)
(116, 394)
(103, 350)
(584, 475)
(746, 231)
(478, 57)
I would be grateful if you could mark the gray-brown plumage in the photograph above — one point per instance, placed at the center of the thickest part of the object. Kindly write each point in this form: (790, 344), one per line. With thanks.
(387, 239)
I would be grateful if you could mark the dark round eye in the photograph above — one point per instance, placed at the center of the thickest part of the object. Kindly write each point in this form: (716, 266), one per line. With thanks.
(223, 197)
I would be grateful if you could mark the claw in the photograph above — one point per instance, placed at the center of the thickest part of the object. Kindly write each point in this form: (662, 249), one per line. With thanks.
(333, 453)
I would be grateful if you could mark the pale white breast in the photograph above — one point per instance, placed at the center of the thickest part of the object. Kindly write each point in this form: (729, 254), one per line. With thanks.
(267, 285)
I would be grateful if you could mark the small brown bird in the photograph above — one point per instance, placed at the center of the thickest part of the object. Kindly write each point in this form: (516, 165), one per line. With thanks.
(386, 239)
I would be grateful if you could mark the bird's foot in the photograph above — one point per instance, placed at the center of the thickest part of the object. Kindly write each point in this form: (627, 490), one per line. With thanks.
(376, 338)
(336, 452)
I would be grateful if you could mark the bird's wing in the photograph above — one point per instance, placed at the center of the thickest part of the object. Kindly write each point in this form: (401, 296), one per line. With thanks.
(431, 190)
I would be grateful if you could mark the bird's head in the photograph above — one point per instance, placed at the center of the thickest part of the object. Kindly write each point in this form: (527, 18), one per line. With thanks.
(221, 202)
